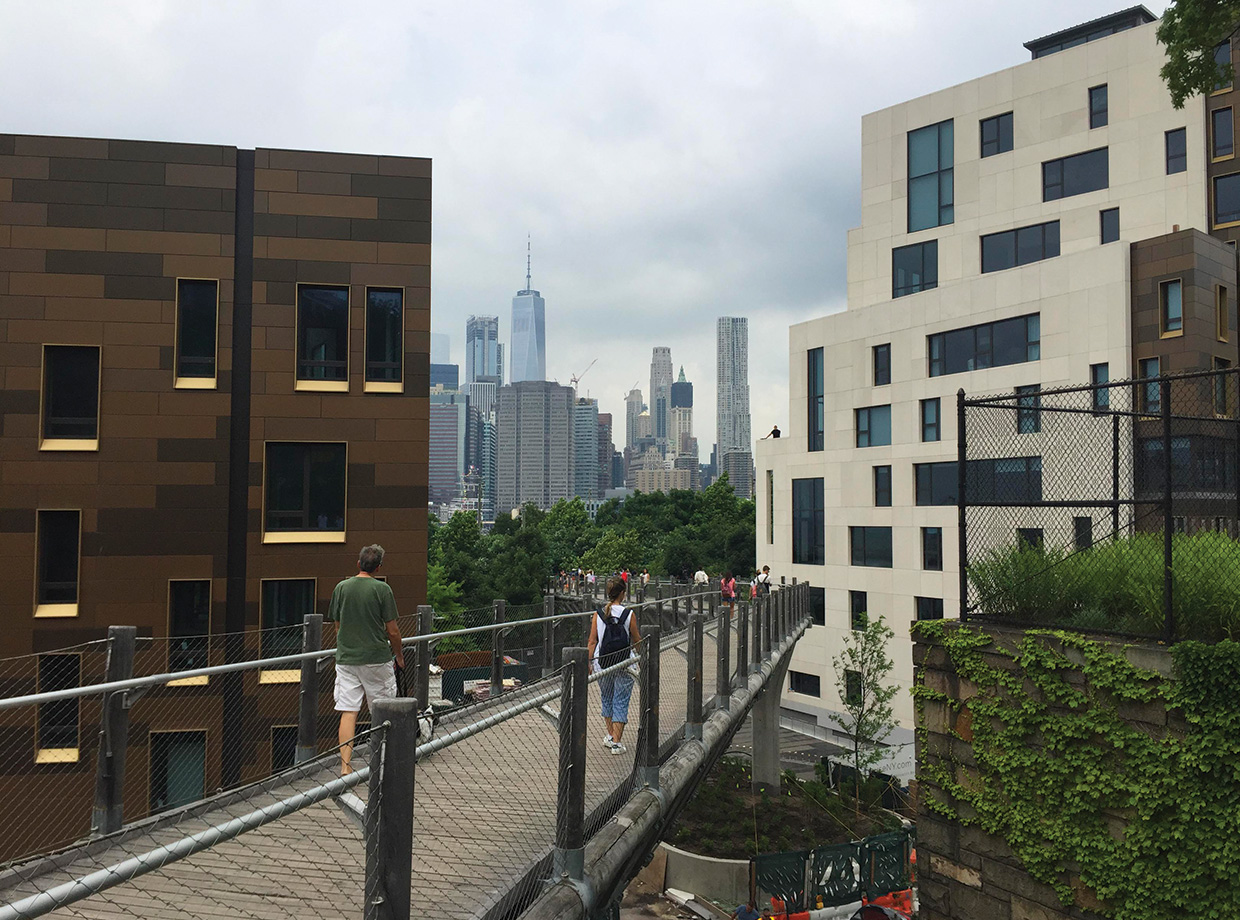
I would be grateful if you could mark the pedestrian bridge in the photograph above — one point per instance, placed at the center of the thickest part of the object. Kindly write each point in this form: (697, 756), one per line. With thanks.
(512, 808)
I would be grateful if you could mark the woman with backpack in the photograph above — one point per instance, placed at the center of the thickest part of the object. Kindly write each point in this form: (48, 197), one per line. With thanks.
(613, 636)
(727, 585)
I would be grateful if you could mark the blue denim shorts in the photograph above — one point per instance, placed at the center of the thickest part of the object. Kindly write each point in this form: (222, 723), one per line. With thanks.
(616, 689)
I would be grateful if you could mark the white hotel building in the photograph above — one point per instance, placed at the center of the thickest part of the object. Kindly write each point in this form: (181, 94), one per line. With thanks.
(1043, 225)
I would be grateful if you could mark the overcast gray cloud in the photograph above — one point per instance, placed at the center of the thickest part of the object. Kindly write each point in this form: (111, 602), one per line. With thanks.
(673, 162)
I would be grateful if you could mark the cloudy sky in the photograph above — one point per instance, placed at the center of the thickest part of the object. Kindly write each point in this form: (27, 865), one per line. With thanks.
(673, 162)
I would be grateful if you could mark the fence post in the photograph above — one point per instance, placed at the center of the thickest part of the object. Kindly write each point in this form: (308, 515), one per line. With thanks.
(108, 814)
(389, 827)
(755, 637)
(1114, 476)
(424, 653)
(723, 647)
(497, 648)
(648, 749)
(693, 697)
(962, 531)
(568, 858)
(675, 610)
(742, 642)
(1164, 388)
(548, 651)
(767, 611)
(308, 696)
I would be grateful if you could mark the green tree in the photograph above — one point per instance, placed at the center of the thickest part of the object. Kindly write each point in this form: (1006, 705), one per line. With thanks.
(860, 671)
(615, 550)
(569, 532)
(457, 547)
(1191, 30)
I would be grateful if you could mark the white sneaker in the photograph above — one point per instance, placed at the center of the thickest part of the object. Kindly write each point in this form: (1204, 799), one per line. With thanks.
(617, 747)
(607, 742)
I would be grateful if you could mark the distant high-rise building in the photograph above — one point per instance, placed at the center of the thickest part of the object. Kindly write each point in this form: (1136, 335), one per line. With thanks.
(605, 451)
(682, 392)
(632, 409)
(680, 416)
(449, 443)
(482, 395)
(732, 390)
(661, 393)
(484, 355)
(529, 333)
(738, 464)
(446, 375)
(585, 449)
(534, 445)
(441, 348)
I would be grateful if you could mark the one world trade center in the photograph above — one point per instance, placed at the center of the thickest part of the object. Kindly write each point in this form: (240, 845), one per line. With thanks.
(529, 332)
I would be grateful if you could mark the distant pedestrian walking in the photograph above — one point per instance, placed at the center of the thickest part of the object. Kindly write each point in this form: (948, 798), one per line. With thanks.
(727, 587)
(613, 636)
(764, 581)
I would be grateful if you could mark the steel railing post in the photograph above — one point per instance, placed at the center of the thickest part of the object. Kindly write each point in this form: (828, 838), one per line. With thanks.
(723, 648)
(693, 697)
(108, 812)
(742, 641)
(755, 636)
(1168, 512)
(425, 654)
(389, 827)
(548, 651)
(497, 648)
(658, 606)
(648, 749)
(568, 859)
(308, 695)
(675, 609)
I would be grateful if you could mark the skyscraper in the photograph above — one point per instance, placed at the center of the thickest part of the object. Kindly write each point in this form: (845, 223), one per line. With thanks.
(529, 332)
(660, 393)
(449, 442)
(632, 409)
(732, 412)
(484, 355)
(680, 424)
(534, 431)
(585, 449)
(605, 451)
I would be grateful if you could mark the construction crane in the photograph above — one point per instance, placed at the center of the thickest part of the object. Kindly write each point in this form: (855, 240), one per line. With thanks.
(576, 377)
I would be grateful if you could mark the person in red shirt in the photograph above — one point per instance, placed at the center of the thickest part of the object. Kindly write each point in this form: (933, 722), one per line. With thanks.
(624, 576)
(727, 585)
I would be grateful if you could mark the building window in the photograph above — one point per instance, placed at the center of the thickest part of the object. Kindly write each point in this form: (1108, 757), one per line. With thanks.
(1177, 151)
(57, 735)
(770, 506)
(852, 688)
(1220, 387)
(1009, 480)
(189, 624)
(1075, 175)
(929, 608)
(1222, 314)
(1022, 246)
(1227, 200)
(936, 483)
(996, 133)
(1029, 537)
(1098, 106)
(385, 352)
(70, 397)
(322, 337)
(1151, 398)
(817, 425)
(305, 492)
(930, 188)
(931, 430)
(809, 522)
(178, 768)
(874, 426)
(858, 610)
(1082, 532)
(882, 487)
(197, 322)
(807, 684)
(1109, 218)
(1029, 409)
(914, 268)
(283, 747)
(1222, 134)
(932, 549)
(870, 546)
(818, 606)
(1222, 61)
(1100, 374)
(59, 542)
(284, 604)
(1171, 307)
(882, 365)
(1009, 341)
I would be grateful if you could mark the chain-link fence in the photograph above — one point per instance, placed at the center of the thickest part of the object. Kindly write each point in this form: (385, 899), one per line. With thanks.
(1108, 508)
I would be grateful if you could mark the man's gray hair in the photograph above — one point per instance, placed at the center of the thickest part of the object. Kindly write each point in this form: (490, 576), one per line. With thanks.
(370, 558)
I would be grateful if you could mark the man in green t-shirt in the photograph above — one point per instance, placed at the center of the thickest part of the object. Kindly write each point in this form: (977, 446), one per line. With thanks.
(367, 642)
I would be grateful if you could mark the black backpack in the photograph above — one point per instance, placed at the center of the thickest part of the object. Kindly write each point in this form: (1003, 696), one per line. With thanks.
(613, 646)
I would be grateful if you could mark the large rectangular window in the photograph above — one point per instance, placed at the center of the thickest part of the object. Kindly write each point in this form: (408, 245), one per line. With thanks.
(1171, 307)
(189, 624)
(806, 684)
(322, 337)
(1222, 62)
(1082, 532)
(1100, 374)
(1022, 246)
(305, 492)
(935, 483)
(56, 579)
(870, 546)
(914, 268)
(770, 506)
(815, 391)
(57, 738)
(818, 606)
(1008, 480)
(385, 323)
(932, 549)
(1227, 200)
(283, 605)
(197, 322)
(1029, 409)
(882, 364)
(882, 487)
(809, 522)
(996, 134)
(178, 769)
(1008, 341)
(1098, 114)
(931, 429)
(1176, 142)
(873, 426)
(929, 608)
(70, 397)
(1075, 175)
(1222, 134)
(930, 183)
(1151, 395)
(858, 610)
(1109, 220)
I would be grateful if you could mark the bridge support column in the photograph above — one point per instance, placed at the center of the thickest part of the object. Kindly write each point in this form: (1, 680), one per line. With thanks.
(648, 741)
(693, 696)
(389, 826)
(308, 695)
(424, 653)
(764, 718)
(107, 815)
(497, 648)
(568, 858)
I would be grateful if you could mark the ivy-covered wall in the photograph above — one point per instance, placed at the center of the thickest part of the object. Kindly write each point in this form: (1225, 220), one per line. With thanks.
(1062, 775)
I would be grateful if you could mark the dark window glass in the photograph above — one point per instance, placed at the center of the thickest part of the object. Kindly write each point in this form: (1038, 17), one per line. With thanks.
(1109, 219)
(189, 622)
(305, 486)
(1020, 247)
(815, 380)
(1009, 341)
(996, 134)
(882, 487)
(1098, 106)
(808, 684)
(1227, 199)
(1075, 175)
(858, 609)
(1098, 375)
(809, 522)
(1029, 537)
(58, 721)
(385, 310)
(196, 327)
(870, 546)
(283, 747)
(285, 604)
(852, 687)
(1171, 306)
(930, 189)
(818, 606)
(929, 608)
(178, 768)
(1010, 480)
(1220, 387)
(1222, 134)
(882, 365)
(1177, 151)
(874, 426)
(1151, 397)
(930, 428)
(936, 483)
(58, 556)
(1222, 60)
(1083, 532)
(914, 268)
(322, 332)
(70, 392)
(770, 506)
(1199, 463)
(932, 549)
(1029, 409)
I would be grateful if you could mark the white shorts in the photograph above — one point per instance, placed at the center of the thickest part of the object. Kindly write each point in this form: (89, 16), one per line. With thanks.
(378, 681)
